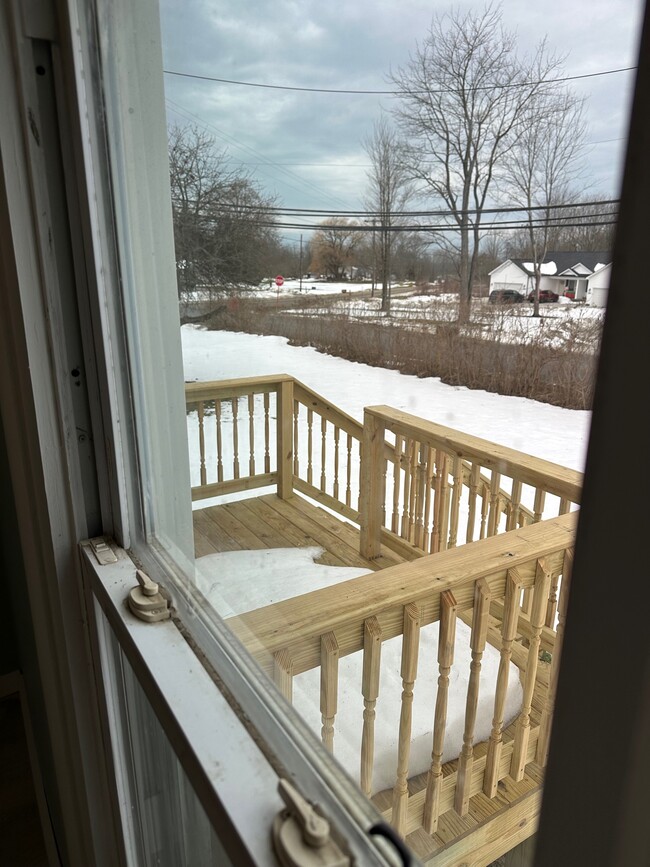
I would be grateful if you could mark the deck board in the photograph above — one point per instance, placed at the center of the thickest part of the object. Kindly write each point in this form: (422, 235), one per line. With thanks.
(269, 522)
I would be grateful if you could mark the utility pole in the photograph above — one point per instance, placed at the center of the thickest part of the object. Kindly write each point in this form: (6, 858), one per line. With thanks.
(301, 261)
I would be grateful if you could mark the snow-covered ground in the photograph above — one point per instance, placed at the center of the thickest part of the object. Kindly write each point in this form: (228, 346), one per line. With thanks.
(240, 581)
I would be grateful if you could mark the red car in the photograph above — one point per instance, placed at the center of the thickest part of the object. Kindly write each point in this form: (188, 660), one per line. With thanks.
(546, 296)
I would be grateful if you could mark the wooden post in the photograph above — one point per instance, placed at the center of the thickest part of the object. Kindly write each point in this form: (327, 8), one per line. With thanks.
(494, 516)
(508, 634)
(329, 686)
(448, 612)
(371, 494)
(235, 437)
(455, 500)
(397, 470)
(410, 651)
(474, 477)
(370, 690)
(283, 673)
(285, 439)
(515, 506)
(251, 434)
(267, 437)
(537, 615)
(477, 642)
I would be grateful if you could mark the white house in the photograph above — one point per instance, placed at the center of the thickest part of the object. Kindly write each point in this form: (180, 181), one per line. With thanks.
(563, 272)
(598, 286)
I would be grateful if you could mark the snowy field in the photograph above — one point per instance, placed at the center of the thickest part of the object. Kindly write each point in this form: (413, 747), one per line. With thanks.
(240, 581)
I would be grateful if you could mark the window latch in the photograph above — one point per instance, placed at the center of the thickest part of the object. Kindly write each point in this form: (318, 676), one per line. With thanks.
(301, 836)
(146, 601)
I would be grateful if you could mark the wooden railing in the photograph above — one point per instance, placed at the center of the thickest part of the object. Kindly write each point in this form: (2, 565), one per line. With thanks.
(425, 487)
(482, 584)
(438, 486)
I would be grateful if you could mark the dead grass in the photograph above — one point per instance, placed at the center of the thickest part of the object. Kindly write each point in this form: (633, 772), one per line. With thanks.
(555, 363)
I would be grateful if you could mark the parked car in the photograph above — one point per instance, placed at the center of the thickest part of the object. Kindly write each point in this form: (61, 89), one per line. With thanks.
(545, 296)
(505, 296)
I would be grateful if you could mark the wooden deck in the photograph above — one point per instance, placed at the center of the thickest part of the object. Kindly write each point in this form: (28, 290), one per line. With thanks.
(492, 825)
(270, 522)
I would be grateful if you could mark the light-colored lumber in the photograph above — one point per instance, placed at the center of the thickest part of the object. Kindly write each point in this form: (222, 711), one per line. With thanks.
(251, 435)
(267, 433)
(549, 703)
(231, 486)
(201, 415)
(285, 439)
(408, 673)
(477, 642)
(329, 687)
(457, 476)
(225, 389)
(372, 487)
(370, 690)
(282, 674)
(508, 633)
(446, 639)
(538, 612)
(219, 434)
(494, 512)
(235, 437)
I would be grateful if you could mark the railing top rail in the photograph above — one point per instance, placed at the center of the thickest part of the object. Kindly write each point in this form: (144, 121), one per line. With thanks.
(223, 388)
(348, 604)
(531, 470)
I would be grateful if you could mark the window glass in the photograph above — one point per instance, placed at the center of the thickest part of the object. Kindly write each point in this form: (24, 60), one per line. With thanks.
(295, 253)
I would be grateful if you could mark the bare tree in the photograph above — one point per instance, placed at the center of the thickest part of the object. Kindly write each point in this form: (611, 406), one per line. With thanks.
(333, 247)
(222, 229)
(464, 94)
(390, 189)
(543, 165)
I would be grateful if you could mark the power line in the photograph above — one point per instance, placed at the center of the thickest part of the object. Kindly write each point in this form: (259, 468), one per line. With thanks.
(394, 92)
(510, 209)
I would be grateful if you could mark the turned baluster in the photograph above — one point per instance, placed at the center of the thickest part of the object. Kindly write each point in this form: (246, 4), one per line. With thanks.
(565, 506)
(538, 508)
(549, 703)
(413, 471)
(251, 434)
(323, 454)
(217, 423)
(493, 519)
(296, 463)
(474, 478)
(485, 504)
(428, 497)
(370, 690)
(408, 481)
(267, 435)
(337, 434)
(444, 503)
(537, 614)
(446, 640)
(283, 673)
(515, 506)
(477, 643)
(457, 475)
(348, 485)
(508, 634)
(397, 468)
(310, 446)
(329, 686)
(201, 411)
(235, 437)
(410, 651)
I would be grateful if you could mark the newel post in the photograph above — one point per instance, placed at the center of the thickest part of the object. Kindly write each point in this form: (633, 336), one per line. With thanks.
(285, 438)
(373, 483)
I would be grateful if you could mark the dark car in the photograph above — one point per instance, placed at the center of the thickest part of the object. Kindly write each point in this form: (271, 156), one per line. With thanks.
(546, 296)
(505, 296)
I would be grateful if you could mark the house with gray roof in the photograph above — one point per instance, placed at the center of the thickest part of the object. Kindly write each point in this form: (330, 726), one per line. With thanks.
(567, 273)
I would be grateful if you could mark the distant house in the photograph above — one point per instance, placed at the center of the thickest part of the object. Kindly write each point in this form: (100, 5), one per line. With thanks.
(583, 273)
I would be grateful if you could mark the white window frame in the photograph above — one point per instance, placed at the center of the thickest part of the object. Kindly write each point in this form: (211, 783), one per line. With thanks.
(49, 477)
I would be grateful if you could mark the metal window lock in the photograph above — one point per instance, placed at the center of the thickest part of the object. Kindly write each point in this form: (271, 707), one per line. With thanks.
(301, 836)
(146, 600)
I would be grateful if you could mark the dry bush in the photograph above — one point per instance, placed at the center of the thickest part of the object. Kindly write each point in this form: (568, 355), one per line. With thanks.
(496, 356)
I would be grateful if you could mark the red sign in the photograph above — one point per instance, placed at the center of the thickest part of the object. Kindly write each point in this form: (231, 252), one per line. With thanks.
(279, 280)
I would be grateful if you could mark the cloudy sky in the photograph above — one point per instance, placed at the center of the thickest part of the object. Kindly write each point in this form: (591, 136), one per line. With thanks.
(306, 148)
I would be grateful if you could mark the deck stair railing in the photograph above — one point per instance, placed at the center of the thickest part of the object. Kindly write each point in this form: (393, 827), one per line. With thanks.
(481, 584)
